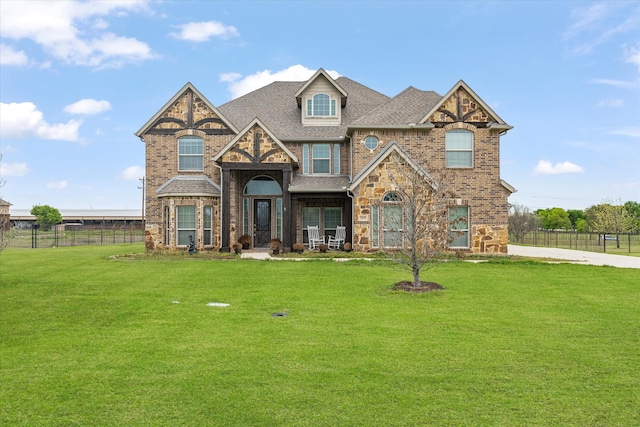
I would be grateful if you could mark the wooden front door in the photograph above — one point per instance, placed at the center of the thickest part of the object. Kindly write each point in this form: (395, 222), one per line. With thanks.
(262, 222)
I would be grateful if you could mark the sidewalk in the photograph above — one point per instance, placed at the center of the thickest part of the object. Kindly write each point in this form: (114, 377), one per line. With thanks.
(577, 257)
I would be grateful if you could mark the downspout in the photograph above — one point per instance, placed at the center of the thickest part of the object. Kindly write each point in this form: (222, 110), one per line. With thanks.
(352, 217)
(348, 192)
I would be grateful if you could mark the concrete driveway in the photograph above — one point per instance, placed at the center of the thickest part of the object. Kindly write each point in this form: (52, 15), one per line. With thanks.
(577, 257)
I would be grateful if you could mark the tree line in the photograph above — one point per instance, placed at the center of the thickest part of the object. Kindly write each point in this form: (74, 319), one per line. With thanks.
(608, 217)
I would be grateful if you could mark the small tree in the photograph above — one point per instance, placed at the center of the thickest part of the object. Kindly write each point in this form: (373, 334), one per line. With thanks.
(422, 215)
(554, 219)
(633, 209)
(521, 221)
(46, 216)
(608, 217)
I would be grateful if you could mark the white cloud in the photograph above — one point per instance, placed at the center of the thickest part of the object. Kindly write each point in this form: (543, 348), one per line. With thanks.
(13, 169)
(597, 23)
(612, 82)
(132, 173)
(633, 55)
(545, 167)
(203, 31)
(88, 107)
(57, 185)
(19, 120)
(8, 56)
(239, 86)
(610, 103)
(64, 30)
(628, 131)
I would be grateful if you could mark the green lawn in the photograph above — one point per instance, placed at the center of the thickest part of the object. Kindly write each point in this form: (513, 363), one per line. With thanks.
(88, 339)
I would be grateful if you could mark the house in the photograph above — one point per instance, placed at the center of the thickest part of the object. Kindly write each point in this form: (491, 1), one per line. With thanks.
(5, 223)
(294, 154)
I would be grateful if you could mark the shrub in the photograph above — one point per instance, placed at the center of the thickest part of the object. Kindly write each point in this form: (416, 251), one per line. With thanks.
(237, 248)
(323, 248)
(275, 245)
(347, 247)
(298, 247)
(245, 240)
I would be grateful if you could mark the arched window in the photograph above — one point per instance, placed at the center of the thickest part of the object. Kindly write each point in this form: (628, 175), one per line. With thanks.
(459, 149)
(190, 153)
(262, 186)
(321, 104)
(392, 220)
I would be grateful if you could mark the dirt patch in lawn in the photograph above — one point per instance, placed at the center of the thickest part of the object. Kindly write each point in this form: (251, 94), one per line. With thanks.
(424, 287)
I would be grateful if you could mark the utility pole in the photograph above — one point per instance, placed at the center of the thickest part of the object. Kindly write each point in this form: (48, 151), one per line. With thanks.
(142, 180)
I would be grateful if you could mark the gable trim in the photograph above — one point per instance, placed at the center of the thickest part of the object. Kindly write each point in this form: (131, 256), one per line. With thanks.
(188, 86)
(243, 132)
(461, 84)
(375, 162)
(343, 93)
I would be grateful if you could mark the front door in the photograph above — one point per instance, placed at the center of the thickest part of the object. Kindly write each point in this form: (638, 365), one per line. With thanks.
(262, 225)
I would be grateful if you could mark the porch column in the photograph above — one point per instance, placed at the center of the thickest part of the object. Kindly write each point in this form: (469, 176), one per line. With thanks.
(225, 211)
(286, 210)
(294, 220)
(348, 219)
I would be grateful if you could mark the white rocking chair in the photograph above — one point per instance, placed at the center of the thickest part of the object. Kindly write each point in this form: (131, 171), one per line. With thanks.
(314, 237)
(338, 239)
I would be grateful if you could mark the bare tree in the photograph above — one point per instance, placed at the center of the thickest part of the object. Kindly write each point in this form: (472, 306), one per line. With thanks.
(417, 218)
(6, 234)
(521, 221)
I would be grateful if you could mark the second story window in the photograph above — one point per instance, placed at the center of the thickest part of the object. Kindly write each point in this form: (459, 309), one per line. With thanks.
(459, 149)
(190, 153)
(321, 105)
(321, 159)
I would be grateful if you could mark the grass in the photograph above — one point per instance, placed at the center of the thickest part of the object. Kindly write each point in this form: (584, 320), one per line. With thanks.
(88, 339)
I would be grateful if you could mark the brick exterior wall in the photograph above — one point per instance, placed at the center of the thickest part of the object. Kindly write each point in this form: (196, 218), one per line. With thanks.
(480, 185)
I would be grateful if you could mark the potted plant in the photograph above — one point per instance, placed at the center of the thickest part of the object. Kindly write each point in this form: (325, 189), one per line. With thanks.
(275, 245)
(237, 248)
(298, 247)
(323, 248)
(245, 240)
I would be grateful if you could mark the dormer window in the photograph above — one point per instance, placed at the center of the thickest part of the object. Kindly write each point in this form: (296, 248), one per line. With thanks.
(321, 105)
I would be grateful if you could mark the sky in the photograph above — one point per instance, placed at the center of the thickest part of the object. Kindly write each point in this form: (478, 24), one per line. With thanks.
(79, 78)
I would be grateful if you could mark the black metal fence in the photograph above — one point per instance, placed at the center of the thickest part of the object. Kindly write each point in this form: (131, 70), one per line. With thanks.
(623, 243)
(76, 235)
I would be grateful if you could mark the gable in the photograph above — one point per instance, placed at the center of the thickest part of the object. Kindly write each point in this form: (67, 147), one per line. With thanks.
(462, 104)
(189, 110)
(324, 79)
(255, 144)
(379, 166)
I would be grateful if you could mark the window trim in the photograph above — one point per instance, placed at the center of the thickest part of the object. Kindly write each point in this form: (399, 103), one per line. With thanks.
(313, 104)
(333, 159)
(391, 199)
(207, 225)
(459, 150)
(180, 229)
(455, 228)
(190, 155)
(371, 137)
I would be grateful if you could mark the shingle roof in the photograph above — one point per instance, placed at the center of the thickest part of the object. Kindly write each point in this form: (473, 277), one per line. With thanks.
(276, 106)
(406, 108)
(188, 185)
(316, 183)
